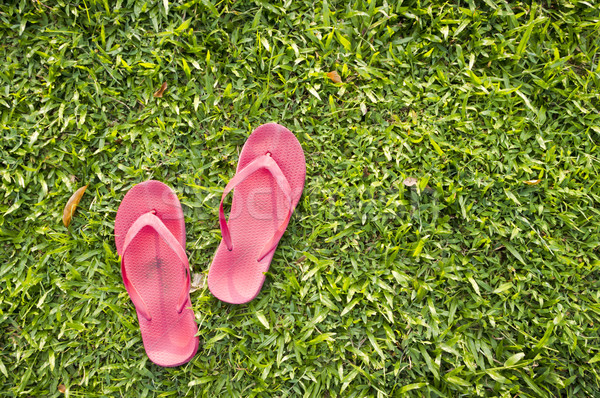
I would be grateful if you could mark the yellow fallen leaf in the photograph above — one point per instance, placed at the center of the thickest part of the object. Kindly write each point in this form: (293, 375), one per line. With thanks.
(532, 182)
(159, 93)
(334, 76)
(411, 181)
(197, 282)
(413, 116)
(72, 205)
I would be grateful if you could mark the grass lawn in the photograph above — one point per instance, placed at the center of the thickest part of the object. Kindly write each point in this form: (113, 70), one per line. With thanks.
(447, 240)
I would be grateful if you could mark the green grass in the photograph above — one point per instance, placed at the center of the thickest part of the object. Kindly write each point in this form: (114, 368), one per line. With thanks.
(469, 283)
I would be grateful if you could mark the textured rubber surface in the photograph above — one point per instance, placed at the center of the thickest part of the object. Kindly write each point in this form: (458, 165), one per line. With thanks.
(157, 273)
(258, 208)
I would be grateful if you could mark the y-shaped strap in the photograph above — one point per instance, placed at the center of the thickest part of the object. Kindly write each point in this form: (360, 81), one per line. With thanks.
(150, 220)
(261, 162)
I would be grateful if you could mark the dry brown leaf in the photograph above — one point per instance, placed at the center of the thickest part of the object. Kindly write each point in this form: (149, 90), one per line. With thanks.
(197, 282)
(532, 182)
(72, 205)
(159, 93)
(411, 181)
(334, 76)
(62, 388)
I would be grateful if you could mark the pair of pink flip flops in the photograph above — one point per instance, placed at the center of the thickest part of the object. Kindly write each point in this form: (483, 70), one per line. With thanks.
(150, 238)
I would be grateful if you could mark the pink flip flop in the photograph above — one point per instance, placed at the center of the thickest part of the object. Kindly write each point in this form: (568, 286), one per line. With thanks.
(268, 185)
(150, 238)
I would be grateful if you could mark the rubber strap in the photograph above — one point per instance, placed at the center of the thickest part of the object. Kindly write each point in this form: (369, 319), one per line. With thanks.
(261, 162)
(150, 220)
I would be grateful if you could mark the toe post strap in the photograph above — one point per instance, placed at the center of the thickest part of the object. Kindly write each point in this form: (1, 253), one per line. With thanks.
(151, 220)
(265, 162)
